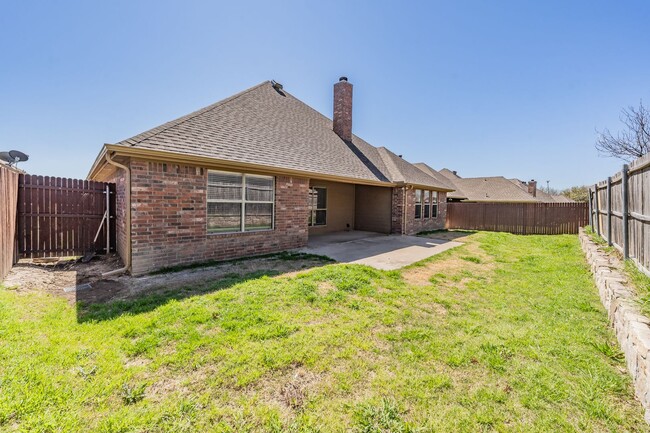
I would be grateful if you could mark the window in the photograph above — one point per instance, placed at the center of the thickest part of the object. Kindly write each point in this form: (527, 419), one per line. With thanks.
(418, 203)
(427, 194)
(239, 202)
(434, 204)
(317, 206)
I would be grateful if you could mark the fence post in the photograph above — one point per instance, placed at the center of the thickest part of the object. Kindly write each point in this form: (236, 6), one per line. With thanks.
(596, 209)
(626, 238)
(589, 206)
(609, 211)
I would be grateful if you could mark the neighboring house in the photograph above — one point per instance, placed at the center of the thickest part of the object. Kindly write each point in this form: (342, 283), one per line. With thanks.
(258, 172)
(485, 189)
(562, 199)
(541, 195)
(493, 189)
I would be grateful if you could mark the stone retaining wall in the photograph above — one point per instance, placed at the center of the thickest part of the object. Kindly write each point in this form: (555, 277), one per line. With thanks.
(631, 327)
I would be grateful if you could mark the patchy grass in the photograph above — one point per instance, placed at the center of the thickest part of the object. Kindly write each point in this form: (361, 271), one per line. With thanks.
(513, 341)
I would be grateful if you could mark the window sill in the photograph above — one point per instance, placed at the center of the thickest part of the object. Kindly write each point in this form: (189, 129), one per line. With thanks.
(239, 233)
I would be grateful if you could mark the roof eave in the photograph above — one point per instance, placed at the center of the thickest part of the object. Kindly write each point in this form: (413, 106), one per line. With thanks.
(210, 162)
(99, 162)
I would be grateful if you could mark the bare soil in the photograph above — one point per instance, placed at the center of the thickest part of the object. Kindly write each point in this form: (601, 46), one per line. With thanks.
(75, 281)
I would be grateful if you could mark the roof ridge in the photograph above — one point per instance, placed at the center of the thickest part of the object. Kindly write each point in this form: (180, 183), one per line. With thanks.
(393, 169)
(180, 120)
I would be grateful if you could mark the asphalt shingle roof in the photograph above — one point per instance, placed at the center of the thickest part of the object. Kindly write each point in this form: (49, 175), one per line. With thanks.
(489, 189)
(541, 195)
(446, 183)
(272, 128)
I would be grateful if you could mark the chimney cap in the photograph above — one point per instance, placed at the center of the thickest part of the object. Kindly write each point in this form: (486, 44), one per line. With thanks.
(343, 78)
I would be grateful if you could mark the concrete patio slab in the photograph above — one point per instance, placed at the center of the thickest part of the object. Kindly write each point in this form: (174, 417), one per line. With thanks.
(380, 251)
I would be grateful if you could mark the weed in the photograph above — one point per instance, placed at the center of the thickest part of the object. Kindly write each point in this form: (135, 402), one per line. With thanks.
(131, 394)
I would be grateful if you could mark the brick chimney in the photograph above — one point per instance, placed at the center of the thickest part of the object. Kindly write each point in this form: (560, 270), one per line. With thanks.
(532, 187)
(343, 109)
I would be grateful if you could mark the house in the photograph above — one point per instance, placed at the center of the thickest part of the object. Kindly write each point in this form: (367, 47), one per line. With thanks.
(256, 173)
(541, 195)
(485, 189)
(495, 189)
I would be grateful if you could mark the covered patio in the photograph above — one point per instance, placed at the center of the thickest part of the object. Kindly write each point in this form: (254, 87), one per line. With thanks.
(381, 251)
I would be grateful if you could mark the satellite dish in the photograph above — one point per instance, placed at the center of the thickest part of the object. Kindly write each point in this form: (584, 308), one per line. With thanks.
(13, 157)
(4, 156)
(18, 156)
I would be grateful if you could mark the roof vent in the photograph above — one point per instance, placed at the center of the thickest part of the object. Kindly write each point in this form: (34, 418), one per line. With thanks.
(343, 79)
(276, 85)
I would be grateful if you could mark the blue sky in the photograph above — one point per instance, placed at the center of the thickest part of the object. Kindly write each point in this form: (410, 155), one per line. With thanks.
(512, 88)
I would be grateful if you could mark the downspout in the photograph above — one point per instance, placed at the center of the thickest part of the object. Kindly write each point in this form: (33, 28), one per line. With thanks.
(127, 203)
(404, 210)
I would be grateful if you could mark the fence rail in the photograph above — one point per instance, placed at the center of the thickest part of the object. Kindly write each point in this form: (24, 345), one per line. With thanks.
(518, 218)
(63, 217)
(8, 197)
(619, 211)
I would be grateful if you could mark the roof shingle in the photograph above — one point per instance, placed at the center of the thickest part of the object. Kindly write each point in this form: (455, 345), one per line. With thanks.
(264, 126)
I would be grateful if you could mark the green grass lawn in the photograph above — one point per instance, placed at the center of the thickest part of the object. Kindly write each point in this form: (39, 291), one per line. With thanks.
(505, 333)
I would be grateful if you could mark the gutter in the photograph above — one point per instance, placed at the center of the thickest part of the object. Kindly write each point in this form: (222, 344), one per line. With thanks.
(127, 203)
(405, 208)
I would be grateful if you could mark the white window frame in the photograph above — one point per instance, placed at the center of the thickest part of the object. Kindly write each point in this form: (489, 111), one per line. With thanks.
(418, 204)
(312, 209)
(242, 201)
(426, 204)
(434, 204)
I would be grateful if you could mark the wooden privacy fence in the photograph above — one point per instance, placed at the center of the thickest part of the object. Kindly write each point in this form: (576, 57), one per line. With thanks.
(62, 217)
(518, 218)
(620, 211)
(8, 197)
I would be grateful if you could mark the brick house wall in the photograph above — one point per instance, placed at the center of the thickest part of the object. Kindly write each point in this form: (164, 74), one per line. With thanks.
(413, 225)
(169, 218)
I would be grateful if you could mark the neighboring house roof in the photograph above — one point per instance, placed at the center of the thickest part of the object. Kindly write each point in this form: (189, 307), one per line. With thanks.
(562, 199)
(271, 128)
(541, 195)
(489, 189)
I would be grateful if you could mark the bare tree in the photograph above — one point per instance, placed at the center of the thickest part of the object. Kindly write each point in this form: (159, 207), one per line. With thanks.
(631, 143)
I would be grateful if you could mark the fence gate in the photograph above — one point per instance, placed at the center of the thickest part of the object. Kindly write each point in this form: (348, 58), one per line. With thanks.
(64, 217)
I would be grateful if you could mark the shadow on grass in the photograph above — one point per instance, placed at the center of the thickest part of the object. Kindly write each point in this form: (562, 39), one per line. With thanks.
(95, 312)
(110, 299)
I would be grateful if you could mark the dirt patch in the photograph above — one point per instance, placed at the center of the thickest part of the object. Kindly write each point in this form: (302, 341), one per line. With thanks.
(78, 281)
(325, 287)
(472, 260)
(53, 276)
(290, 390)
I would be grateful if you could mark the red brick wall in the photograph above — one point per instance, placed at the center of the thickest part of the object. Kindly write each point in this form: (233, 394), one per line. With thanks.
(413, 225)
(397, 216)
(169, 224)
